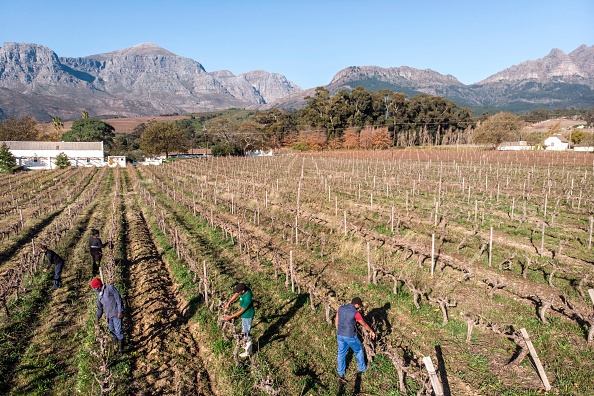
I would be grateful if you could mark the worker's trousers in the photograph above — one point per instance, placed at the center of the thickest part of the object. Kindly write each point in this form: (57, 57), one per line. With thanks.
(115, 327)
(58, 275)
(344, 343)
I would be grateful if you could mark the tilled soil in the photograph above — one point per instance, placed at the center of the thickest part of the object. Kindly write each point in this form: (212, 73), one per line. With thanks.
(165, 355)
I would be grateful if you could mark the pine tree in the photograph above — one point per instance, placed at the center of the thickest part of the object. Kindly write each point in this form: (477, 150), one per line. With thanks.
(7, 160)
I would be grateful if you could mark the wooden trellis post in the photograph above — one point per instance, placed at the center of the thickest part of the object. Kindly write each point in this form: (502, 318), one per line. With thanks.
(541, 372)
(591, 226)
(432, 253)
(437, 388)
(368, 263)
(491, 247)
(291, 271)
(205, 282)
(542, 239)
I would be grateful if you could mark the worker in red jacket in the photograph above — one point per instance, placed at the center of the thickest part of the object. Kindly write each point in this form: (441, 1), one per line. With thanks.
(109, 303)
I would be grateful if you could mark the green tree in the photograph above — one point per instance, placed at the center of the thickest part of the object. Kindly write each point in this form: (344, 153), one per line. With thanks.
(497, 129)
(84, 115)
(577, 135)
(90, 130)
(7, 160)
(62, 161)
(224, 149)
(535, 139)
(589, 117)
(315, 112)
(163, 137)
(18, 128)
(276, 123)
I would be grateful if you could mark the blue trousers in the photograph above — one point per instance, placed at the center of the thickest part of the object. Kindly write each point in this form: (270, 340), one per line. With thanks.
(58, 275)
(115, 327)
(246, 326)
(344, 343)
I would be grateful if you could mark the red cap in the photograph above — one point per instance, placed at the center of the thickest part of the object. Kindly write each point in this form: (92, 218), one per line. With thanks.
(96, 283)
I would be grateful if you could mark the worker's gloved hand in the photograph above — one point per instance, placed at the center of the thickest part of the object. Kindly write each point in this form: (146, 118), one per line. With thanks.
(120, 315)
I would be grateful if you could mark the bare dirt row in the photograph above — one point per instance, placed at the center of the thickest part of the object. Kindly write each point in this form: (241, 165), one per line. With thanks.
(165, 355)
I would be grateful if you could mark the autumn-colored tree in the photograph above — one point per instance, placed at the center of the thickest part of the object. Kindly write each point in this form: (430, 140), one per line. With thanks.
(18, 128)
(366, 138)
(335, 143)
(350, 139)
(311, 140)
(289, 140)
(381, 138)
(316, 140)
(274, 142)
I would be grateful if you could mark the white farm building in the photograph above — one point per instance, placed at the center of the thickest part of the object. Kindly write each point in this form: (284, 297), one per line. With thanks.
(556, 142)
(42, 155)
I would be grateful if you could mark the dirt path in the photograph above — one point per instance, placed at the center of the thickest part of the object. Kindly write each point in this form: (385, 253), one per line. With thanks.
(165, 354)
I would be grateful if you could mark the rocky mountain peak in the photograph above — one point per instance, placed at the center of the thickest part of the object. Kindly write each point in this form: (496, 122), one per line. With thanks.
(144, 49)
(583, 56)
(556, 65)
(393, 74)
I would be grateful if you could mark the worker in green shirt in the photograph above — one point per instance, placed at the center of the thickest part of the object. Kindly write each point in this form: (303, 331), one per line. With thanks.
(246, 312)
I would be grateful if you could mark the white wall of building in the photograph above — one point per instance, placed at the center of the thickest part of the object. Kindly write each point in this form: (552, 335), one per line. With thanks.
(555, 143)
(42, 155)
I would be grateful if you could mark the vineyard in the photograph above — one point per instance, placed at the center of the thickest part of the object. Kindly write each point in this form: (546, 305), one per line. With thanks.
(455, 254)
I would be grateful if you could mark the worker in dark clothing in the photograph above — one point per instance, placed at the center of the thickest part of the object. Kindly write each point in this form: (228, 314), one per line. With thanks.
(109, 303)
(53, 259)
(95, 246)
(346, 318)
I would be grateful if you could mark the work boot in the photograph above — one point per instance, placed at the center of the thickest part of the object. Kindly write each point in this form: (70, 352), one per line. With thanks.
(120, 347)
(248, 350)
(114, 340)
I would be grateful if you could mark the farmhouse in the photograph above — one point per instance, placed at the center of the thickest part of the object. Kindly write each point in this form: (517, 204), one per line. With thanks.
(556, 142)
(42, 155)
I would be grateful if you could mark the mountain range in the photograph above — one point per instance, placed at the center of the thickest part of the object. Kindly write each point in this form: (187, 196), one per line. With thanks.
(147, 80)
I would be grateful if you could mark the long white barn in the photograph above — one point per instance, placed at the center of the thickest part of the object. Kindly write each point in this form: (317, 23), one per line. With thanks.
(42, 155)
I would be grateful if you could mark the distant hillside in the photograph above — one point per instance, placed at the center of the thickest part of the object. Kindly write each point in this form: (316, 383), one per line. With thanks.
(147, 80)
(555, 81)
(144, 80)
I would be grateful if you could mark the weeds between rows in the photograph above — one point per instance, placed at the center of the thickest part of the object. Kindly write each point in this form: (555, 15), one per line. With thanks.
(177, 180)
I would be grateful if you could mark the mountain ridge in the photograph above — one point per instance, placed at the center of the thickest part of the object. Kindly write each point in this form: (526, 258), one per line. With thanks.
(146, 79)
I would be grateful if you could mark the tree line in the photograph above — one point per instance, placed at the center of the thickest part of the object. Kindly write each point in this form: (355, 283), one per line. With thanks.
(343, 120)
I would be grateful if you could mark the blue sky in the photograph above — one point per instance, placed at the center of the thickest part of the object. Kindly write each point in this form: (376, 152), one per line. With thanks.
(310, 41)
